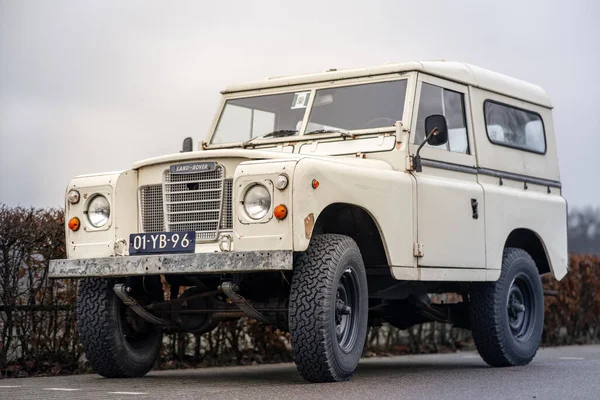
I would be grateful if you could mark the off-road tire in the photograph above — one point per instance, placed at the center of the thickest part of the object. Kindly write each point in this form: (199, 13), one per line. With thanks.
(319, 354)
(99, 320)
(496, 341)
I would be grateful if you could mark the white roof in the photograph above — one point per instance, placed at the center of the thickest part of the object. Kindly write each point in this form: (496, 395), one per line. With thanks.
(455, 71)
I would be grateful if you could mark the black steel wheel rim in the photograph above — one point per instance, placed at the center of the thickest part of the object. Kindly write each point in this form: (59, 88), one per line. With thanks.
(133, 328)
(520, 306)
(346, 310)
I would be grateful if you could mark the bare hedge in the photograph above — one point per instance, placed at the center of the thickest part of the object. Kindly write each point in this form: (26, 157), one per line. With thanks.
(573, 316)
(38, 332)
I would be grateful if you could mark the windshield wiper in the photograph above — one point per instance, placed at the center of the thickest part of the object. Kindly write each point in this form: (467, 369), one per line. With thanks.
(278, 133)
(341, 132)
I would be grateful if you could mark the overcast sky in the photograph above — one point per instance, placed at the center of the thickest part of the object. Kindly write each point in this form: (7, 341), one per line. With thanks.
(94, 86)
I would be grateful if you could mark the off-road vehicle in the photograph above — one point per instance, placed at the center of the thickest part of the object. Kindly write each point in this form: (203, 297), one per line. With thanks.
(321, 204)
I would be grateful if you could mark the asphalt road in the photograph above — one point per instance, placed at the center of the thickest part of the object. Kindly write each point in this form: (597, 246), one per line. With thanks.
(556, 373)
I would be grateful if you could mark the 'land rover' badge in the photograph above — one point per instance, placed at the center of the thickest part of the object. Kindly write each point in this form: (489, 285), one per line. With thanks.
(193, 168)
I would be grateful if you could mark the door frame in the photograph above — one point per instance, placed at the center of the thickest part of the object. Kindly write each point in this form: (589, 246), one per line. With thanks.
(438, 155)
(446, 164)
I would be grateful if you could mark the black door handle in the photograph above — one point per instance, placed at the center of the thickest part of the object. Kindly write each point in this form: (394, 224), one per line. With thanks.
(475, 208)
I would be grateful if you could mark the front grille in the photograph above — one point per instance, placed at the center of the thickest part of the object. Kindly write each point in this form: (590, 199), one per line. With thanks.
(197, 197)
(200, 202)
(151, 204)
(227, 214)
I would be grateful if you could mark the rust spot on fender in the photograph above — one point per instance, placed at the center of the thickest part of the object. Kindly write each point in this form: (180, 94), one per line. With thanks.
(309, 223)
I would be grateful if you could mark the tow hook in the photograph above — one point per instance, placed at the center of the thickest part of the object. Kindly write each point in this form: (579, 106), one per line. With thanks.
(230, 289)
(122, 293)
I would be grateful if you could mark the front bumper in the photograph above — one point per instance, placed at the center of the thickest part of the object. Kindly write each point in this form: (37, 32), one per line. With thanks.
(196, 263)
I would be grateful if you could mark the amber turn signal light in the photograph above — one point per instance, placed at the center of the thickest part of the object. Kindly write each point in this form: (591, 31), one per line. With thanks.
(315, 183)
(74, 224)
(280, 212)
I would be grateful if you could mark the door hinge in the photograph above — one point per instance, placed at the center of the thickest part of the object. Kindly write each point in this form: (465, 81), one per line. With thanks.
(418, 250)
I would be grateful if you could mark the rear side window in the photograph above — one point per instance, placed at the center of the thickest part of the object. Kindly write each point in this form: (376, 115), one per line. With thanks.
(514, 127)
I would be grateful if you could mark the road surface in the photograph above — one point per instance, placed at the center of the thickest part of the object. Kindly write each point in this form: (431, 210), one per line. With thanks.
(556, 373)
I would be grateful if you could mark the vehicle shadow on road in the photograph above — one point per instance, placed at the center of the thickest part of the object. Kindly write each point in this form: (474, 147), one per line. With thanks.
(399, 367)
(286, 373)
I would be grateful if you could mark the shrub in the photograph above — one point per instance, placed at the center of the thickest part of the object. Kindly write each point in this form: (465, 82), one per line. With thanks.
(38, 332)
(573, 316)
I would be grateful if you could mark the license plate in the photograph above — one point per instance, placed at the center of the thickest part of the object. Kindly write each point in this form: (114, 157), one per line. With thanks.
(162, 242)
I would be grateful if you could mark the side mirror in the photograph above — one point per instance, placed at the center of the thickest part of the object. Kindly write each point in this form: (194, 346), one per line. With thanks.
(436, 128)
(188, 145)
(436, 122)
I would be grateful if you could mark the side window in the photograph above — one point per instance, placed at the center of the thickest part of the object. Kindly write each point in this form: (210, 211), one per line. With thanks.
(437, 100)
(514, 127)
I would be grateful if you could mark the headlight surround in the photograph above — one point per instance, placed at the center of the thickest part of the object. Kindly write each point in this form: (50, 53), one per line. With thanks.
(98, 211)
(257, 201)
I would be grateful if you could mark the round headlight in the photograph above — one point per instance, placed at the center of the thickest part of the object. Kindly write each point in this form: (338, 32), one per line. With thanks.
(281, 181)
(98, 211)
(257, 202)
(73, 196)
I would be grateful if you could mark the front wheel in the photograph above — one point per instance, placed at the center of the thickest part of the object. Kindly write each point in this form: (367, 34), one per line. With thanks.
(328, 309)
(117, 342)
(508, 315)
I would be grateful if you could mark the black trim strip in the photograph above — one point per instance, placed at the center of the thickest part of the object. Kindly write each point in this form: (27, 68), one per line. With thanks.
(520, 178)
(449, 166)
(490, 172)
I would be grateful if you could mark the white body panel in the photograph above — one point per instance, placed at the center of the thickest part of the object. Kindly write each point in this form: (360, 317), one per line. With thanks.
(490, 155)
(449, 234)
(120, 189)
(389, 202)
(510, 207)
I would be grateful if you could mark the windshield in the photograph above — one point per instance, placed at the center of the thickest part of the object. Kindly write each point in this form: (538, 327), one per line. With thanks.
(345, 108)
(250, 117)
(374, 105)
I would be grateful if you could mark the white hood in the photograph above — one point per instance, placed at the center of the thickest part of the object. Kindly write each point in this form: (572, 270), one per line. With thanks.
(256, 155)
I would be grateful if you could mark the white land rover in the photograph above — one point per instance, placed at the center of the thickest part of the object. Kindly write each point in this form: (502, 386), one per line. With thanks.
(323, 203)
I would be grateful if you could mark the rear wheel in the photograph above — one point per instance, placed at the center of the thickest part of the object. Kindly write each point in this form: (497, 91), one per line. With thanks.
(328, 309)
(116, 341)
(508, 315)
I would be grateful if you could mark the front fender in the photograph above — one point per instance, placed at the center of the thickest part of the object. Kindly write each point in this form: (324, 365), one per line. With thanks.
(387, 195)
(120, 189)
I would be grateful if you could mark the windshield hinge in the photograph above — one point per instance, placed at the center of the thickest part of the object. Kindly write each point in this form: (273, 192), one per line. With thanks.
(410, 165)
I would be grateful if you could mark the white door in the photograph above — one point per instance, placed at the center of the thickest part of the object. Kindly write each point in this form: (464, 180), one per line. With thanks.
(450, 209)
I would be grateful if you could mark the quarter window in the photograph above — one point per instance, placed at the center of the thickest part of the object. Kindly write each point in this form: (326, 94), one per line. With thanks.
(436, 100)
(514, 127)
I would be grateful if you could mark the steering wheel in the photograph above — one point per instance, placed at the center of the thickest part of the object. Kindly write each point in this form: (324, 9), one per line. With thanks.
(393, 121)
